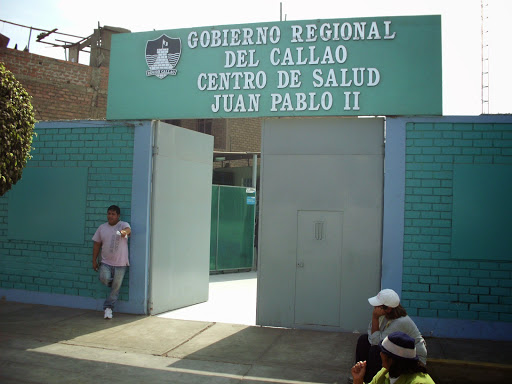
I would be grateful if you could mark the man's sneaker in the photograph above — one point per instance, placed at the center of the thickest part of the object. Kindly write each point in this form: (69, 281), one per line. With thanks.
(108, 313)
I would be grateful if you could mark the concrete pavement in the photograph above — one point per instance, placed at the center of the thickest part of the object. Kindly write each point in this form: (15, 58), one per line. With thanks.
(44, 344)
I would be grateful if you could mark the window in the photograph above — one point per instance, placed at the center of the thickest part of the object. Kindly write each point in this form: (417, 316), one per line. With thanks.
(173, 122)
(205, 126)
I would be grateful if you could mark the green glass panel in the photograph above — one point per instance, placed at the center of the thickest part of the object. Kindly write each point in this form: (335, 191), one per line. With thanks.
(235, 228)
(214, 228)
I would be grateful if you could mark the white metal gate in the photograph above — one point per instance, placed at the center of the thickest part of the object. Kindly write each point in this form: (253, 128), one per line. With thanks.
(311, 167)
(180, 218)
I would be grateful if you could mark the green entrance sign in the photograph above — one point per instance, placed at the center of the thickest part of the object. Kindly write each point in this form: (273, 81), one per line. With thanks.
(338, 67)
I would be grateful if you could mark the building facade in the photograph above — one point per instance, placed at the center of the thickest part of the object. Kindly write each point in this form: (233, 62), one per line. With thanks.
(64, 90)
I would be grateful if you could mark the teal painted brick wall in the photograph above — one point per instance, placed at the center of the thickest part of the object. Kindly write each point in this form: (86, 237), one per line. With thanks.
(434, 284)
(106, 149)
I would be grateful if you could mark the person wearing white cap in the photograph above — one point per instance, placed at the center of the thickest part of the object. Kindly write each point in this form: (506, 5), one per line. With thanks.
(388, 316)
(400, 363)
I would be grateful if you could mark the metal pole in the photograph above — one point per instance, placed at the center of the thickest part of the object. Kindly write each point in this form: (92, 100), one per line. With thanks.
(254, 170)
(254, 183)
(482, 52)
(29, 37)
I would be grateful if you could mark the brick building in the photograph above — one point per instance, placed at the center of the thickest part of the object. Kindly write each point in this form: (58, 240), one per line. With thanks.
(60, 90)
(63, 90)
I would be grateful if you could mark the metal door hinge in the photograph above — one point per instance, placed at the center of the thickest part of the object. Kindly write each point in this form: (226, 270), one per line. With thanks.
(155, 150)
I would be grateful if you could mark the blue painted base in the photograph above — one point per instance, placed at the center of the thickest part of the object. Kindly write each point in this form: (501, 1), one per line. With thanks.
(464, 329)
(59, 300)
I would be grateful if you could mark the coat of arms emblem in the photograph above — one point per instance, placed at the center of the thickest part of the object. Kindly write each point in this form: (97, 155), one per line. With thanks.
(162, 56)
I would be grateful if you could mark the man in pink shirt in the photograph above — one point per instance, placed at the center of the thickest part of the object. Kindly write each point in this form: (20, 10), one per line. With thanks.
(112, 238)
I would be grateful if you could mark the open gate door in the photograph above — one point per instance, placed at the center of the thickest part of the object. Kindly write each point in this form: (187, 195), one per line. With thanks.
(180, 218)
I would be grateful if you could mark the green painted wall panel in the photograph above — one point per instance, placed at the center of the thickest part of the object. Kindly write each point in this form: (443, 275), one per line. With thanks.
(47, 261)
(457, 221)
(48, 204)
(482, 209)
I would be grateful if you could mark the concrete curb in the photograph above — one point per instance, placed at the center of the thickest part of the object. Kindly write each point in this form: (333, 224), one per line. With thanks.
(480, 364)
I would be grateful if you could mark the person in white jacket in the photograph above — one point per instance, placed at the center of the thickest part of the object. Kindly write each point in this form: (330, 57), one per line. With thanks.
(388, 316)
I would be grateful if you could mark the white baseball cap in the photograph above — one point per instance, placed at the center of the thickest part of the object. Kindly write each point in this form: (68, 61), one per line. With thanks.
(386, 297)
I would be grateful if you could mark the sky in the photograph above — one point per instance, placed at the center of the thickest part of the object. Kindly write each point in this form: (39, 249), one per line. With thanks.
(461, 31)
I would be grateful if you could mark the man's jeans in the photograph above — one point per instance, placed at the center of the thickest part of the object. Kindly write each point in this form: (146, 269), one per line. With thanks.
(112, 277)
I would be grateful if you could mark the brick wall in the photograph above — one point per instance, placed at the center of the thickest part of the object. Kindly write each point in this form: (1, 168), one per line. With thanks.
(188, 124)
(107, 151)
(219, 129)
(63, 90)
(60, 90)
(434, 283)
(235, 135)
(244, 135)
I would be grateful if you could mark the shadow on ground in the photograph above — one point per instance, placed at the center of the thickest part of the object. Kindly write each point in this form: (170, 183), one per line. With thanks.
(41, 344)
(44, 344)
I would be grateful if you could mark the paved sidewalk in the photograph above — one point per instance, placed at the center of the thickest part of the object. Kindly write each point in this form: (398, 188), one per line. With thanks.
(44, 344)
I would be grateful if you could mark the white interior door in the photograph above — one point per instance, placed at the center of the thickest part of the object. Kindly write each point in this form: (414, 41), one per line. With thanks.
(180, 218)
